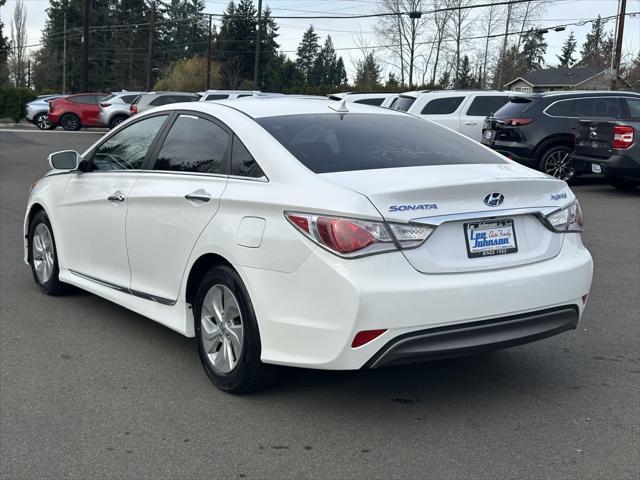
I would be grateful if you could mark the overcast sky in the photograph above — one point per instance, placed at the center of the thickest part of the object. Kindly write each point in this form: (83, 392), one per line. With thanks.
(346, 33)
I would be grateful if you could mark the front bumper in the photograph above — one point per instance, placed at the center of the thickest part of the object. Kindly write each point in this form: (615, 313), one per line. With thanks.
(308, 318)
(618, 165)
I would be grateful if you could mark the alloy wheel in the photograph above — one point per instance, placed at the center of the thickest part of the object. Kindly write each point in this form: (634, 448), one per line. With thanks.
(557, 164)
(42, 122)
(70, 123)
(43, 253)
(222, 328)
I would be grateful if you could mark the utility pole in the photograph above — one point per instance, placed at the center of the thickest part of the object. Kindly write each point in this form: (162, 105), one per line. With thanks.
(504, 47)
(209, 57)
(152, 32)
(619, 34)
(29, 74)
(64, 51)
(85, 61)
(256, 65)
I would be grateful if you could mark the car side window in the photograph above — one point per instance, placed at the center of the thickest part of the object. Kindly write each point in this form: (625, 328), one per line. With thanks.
(128, 98)
(371, 101)
(596, 107)
(561, 108)
(442, 106)
(161, 100)
(484, 105)
(634, 107)
(217, 96)
(82, 99)
(242, 163)
(127, 149)
(194, 144)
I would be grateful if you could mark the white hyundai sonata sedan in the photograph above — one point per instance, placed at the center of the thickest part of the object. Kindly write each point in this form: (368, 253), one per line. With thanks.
(307, 233)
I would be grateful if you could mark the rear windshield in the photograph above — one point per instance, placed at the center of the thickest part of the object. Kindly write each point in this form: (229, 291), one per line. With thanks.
(403, 103)
(363, 141)
(514, 107)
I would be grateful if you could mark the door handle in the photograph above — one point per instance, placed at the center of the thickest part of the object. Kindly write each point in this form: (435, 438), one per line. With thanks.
(116, 197)
(469, 122)
(198, 196)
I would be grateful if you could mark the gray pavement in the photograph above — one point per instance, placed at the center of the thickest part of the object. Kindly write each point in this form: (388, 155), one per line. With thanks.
(91, 390)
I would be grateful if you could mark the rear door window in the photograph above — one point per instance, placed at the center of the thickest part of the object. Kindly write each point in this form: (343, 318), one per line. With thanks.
(242, 163)
(596, 107)
(217, 96)
(633, 104)
(561, 108)
(364, 141)
(442, 106)
(194, 144)
(485, 105)
(371, 101)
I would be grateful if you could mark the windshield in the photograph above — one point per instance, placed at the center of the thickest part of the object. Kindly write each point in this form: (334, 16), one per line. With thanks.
(363, 141)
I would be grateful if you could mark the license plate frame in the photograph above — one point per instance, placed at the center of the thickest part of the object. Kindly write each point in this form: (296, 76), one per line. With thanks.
(488, 135)
(596, 168)
(486, 226)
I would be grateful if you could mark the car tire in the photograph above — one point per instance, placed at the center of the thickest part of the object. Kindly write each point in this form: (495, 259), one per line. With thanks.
(43, 256)
(70, 122)
(114, 122)
(555, 162)
(227, 334)
(625, 184)
(41, 121)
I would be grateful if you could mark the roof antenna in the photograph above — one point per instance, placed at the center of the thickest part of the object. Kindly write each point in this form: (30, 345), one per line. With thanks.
(340, 106)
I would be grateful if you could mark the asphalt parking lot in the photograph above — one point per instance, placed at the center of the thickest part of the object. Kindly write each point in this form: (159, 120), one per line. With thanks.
(91, 390)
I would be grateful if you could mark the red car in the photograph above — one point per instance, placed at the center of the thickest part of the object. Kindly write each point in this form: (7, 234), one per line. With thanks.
(76, 111)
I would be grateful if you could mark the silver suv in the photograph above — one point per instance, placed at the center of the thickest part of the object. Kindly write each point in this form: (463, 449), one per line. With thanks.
(210, 95)
(149, 100)
(115, 108)
(38, 109)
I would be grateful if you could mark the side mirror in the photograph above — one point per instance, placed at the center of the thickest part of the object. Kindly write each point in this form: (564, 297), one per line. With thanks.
(64, 160)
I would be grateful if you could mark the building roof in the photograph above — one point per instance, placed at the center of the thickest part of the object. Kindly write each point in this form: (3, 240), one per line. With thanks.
(559, 76)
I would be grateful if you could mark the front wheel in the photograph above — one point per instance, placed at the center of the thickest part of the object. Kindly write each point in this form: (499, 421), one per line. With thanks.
(555, 162)
(43, 257)
(227, 333)
(70, 122)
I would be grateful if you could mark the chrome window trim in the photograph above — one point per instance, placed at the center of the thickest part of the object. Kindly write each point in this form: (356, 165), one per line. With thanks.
(619, 97)
(262, 179)
(119, 288)
(437, 220)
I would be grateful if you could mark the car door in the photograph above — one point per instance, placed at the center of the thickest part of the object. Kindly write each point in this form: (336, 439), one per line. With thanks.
(475, 110)
(173, 201)
(89, 106)
(95, 204)
(444, 110)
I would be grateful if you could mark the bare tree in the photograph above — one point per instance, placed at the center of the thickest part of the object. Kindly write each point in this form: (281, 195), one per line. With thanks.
(18, 53)
(402, 31)
(459, 27)
(524, 14)
(492, 19)
(440, 20)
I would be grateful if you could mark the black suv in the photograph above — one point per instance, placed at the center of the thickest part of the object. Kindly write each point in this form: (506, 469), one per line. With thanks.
(538, 129)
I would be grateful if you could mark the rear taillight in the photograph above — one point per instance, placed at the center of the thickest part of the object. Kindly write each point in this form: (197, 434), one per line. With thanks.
(622, 136)
(133, 109)
(568, 219)
(516, 122)
(349, 237)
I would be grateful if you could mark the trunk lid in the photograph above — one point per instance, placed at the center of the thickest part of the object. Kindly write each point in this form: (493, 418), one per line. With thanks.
(452, 196)
(594, 137)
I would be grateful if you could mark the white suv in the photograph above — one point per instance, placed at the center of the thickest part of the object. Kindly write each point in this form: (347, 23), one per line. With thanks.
(460, 110)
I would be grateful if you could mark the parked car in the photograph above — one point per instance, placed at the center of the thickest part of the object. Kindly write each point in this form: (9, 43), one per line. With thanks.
(116, 108)
(461, 110)
(149, 100)
(369, 98)
(610, 147)
(538, 129)
(38, 109)
(74, 112)
(390, 100)
(364, 269)
(210, 95)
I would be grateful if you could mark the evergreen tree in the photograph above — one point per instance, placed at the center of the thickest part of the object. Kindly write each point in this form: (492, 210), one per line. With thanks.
(392, 82)
(445, 80)
(513, 65)
(465, 76)
(282, 75)
(328, 70)
(184, 32)
(5, 47)
(235, 43)
(533, 50)
(308, 51)
(596, 49)
(268, 49)
(568, 49)
(368, 73)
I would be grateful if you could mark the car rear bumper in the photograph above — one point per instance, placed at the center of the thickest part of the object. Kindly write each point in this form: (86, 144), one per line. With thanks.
(309, 318)
(619, 165)
(467, 339)
(514, 151)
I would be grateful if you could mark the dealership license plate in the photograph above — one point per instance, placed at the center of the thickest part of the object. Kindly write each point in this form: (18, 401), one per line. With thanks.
(488, 135)
(495, 237)
(595, 168)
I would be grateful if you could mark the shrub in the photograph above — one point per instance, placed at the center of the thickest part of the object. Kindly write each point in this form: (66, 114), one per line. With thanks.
(13, 101)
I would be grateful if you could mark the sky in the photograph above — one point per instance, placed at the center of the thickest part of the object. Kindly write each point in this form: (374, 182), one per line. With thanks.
(351, 33)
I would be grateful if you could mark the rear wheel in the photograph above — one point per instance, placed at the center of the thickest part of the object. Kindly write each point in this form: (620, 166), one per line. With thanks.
(626, 184)
(227, 333)
(42, 122)
(555, 162)
(70, 122)
(117, 121)
(43, 257)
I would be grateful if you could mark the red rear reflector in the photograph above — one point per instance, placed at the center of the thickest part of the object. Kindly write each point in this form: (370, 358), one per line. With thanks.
(366, 336)
(622, 136)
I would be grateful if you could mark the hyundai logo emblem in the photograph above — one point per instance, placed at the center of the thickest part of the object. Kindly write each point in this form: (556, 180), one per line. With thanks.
(494, 199)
